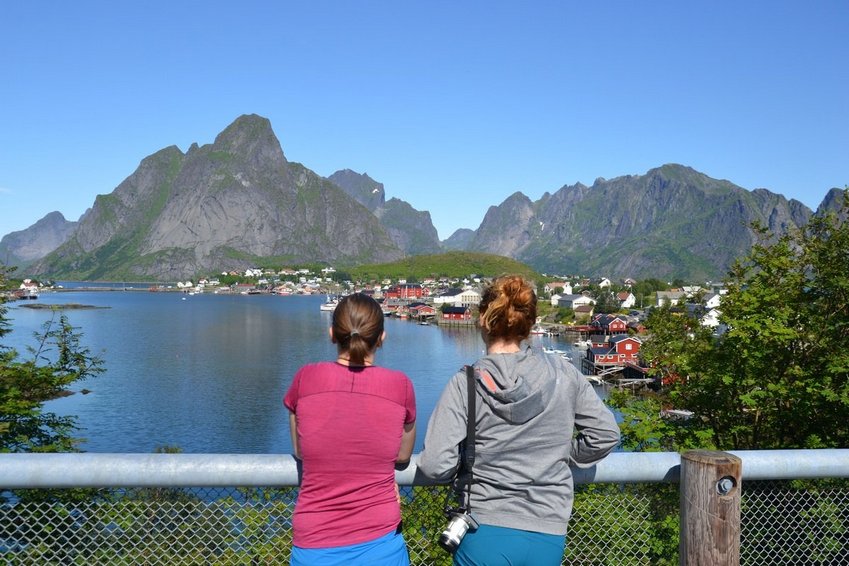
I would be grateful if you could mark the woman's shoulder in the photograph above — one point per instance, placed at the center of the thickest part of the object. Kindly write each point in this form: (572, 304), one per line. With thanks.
(562, 368)
(390, 373)
(317, 368)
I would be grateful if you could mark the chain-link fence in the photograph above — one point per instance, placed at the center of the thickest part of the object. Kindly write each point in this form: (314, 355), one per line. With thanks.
(783, 523)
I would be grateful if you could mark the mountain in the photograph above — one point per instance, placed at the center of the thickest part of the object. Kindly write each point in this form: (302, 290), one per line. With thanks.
(671, 222)
(238, 203)
(25, 246)
(833, 202)
(410, 229)
(363, 188)
(232, 204)
(461, 239)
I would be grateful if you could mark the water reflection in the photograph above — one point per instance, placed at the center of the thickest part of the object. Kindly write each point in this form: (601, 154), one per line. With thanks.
(208, 372)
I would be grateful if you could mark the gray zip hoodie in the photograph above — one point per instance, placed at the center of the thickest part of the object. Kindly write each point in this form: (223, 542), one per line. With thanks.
(529, 406)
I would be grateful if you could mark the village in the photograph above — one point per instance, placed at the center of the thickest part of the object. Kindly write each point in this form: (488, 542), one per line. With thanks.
(610, 341)
(609, 332)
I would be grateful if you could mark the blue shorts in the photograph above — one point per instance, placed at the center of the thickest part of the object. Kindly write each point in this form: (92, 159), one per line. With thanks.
(499, 546)
(388, 549)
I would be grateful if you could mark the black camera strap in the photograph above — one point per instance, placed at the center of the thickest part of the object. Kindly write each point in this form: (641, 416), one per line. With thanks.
(469, 455)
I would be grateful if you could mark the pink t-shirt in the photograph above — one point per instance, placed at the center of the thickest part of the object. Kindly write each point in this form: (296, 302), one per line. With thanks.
(350, 423)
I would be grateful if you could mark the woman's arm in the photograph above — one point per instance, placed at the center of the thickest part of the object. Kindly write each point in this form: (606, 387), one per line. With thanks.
(293, 430)
(408, 440)
(446, 428)
(598, 432)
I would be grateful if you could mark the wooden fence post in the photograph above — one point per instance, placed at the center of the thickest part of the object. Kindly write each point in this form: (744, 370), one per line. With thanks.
(710, 509)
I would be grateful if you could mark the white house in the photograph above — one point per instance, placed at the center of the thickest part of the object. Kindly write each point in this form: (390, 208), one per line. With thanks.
(711, 300)
(573, 301)
(626, 299)
(710, 318)
(469, 298)
(458, 298)
(691, 290)
(669, 297)
(449, 297)
(565, 285)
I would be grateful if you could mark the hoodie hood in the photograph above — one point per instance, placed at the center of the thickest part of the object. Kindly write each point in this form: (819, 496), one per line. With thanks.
(517, 386)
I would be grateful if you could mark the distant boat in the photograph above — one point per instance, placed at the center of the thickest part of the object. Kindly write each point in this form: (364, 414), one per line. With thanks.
(594, 379)
(562, 353)
(539, 331)
(330, 304)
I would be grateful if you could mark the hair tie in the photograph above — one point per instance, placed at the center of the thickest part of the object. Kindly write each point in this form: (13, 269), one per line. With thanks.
(354, 333)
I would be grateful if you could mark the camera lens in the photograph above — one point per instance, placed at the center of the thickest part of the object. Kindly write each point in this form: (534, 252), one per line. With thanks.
(453, 534)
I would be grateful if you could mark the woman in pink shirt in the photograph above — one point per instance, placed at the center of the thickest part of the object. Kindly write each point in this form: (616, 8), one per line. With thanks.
(351, 423)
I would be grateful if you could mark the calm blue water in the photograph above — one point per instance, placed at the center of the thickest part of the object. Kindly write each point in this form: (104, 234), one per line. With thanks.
(208, 372)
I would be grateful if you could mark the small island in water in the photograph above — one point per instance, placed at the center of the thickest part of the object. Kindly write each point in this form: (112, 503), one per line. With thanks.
(42, 306)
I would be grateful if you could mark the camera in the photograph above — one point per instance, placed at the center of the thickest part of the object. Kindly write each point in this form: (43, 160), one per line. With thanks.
(460, 521)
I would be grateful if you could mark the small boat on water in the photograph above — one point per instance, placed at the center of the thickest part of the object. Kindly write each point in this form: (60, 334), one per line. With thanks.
(594, 379)
(329, 305)
(538, 330)
(562, 353)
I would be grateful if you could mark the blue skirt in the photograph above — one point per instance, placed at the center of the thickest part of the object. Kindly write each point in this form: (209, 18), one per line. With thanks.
(388, 550)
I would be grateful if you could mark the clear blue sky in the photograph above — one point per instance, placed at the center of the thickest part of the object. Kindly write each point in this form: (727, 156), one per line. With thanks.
(452, 105)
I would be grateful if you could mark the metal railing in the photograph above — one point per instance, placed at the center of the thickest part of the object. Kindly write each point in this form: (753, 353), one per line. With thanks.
(236, 509)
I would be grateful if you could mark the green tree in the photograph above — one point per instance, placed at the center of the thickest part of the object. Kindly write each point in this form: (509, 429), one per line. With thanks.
(645, 290)
(606, 302)
(56, 361)
(565, 315)
(779, 377)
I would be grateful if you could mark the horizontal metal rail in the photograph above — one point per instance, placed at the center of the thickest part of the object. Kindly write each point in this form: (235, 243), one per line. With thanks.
(70, 470)
(18, 471)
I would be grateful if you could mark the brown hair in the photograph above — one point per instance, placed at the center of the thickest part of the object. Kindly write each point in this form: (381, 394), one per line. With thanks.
(508, 308)
(357, 326)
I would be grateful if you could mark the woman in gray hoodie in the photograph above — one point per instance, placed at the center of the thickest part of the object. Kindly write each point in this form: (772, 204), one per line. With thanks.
(535, 416)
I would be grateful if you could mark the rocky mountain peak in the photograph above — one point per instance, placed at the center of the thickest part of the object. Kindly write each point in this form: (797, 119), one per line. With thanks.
(237, 202)
(24, 246)
(251, 135)
(222, 206)
(363, 188)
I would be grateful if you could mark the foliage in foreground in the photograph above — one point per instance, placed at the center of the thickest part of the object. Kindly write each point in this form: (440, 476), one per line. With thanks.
(784, 523)
(56, 361)
(778, 378)
(253, 526)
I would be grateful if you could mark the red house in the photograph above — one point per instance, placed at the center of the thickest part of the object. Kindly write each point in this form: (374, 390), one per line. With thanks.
(619, 350)
(404, 291)
(457, 313)
(609, 324)
(421, 310)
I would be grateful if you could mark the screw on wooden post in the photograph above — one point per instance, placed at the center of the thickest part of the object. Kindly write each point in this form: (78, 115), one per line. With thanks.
(710, 509)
